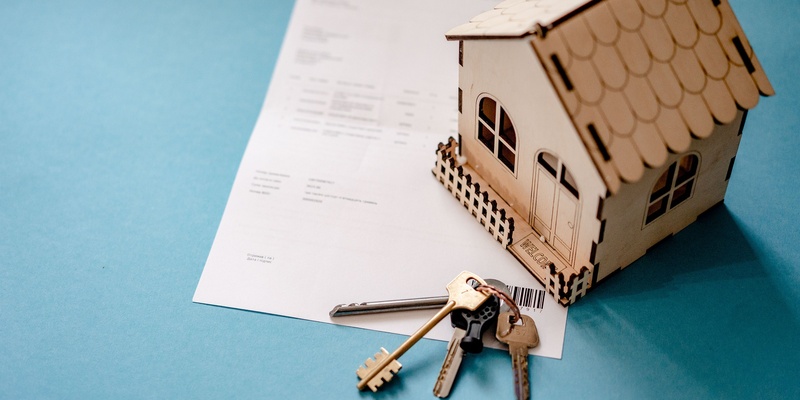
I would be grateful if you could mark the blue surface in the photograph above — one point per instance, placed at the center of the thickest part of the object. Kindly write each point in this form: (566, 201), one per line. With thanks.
(121, 129)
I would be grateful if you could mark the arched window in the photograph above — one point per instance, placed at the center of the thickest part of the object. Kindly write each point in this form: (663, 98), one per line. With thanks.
(673, 187)
(496, 132)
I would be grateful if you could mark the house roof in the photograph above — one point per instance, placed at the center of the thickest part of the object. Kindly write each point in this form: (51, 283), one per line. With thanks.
(514, 18)
(641, 78)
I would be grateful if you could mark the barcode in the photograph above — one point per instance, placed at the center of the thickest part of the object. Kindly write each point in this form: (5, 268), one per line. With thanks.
(527, 297)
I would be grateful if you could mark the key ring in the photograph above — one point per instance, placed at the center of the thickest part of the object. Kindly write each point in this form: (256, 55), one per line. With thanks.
(491, 290)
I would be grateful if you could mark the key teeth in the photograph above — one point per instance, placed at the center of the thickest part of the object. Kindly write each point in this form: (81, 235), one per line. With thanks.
(521, 380)
(384, 376)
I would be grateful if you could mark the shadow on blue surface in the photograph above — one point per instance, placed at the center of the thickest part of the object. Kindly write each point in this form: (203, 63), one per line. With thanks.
(701, 306)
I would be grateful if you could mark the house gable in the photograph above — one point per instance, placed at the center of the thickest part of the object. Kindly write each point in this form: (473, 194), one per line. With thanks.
(618, 91)
(639, 78)
(541, 123)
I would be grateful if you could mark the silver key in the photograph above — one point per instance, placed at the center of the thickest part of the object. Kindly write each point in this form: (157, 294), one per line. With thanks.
(519, 339)
(374, 307)
(455, 351)
(419, 303)
(451, 365)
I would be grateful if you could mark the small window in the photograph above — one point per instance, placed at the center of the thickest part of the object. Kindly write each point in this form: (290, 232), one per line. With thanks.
(663, 184)
(488, 111)
(568, 181)
(673, 187)
(687, 169)
(496, 132)
(553, 165)
(549, 162)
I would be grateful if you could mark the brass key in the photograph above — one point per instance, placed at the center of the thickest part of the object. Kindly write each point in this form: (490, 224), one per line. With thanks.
(461, 295)
(519, 339)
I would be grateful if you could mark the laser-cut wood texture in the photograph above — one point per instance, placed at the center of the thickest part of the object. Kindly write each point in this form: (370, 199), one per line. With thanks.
(617, 90)
(638, 67)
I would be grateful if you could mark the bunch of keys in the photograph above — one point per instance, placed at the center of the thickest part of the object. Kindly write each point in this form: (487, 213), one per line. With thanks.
(475, 306)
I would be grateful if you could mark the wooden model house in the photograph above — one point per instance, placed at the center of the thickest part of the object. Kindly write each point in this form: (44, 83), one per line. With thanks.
(589, 130)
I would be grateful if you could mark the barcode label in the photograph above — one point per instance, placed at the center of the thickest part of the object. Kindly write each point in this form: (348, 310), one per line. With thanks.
(527, 297)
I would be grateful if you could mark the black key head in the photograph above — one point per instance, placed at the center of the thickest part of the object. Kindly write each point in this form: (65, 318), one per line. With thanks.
(475, 323)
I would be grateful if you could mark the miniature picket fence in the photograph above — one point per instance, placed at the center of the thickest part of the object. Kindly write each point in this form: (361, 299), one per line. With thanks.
(565, 286)
(567, 290)
(469, 193)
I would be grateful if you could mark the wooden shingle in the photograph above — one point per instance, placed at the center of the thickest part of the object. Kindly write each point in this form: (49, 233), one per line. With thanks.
(618, 113)
(681, 25)
(706, 16)
(578, 38)
(626, 159)
(649, 144)
(673, 130)
(665, 84)
(603, 24)
(653, 8)
(610, 67)
(684, 71)
(719, 101)
(739, 82)
(711, 56)
(642, 99)
(628, 14)
(688, 70)
(587, 84)
(696, 115)
(634, 52)
(657, 38)
(638, 78)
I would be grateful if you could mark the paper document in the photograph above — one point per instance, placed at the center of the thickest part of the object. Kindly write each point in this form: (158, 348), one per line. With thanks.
(334, 201)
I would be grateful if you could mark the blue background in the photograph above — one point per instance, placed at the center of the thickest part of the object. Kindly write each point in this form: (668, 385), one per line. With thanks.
(122, 125)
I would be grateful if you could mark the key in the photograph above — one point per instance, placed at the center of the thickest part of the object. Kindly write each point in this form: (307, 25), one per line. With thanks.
(468, 328)
(462, 320)
(419, 303)
(479, 321)
(374, 307)
(461, 295)
(451, 365)
(519, 339)
(475, 323)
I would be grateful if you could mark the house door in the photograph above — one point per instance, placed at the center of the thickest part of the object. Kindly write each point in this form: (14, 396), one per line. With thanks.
(554, 208)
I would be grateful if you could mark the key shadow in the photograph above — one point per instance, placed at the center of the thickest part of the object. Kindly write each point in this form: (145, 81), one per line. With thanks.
(701, 307)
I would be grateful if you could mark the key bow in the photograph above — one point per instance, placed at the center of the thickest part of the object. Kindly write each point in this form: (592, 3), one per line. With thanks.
(461, 295)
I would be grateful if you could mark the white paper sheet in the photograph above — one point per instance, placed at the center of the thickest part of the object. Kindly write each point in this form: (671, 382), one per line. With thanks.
(334, 201)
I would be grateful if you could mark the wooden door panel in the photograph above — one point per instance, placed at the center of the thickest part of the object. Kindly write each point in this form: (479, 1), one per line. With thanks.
(544, 201)
(565, 224)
